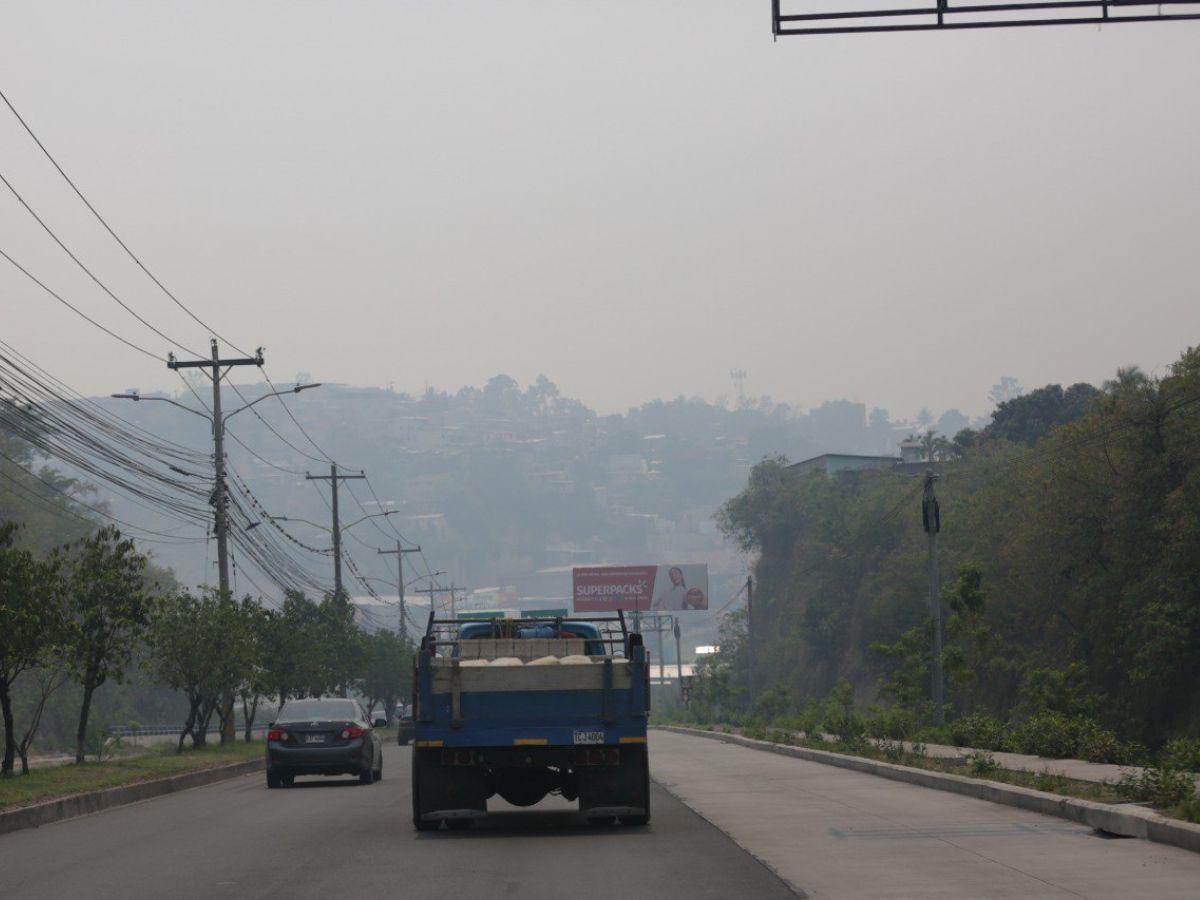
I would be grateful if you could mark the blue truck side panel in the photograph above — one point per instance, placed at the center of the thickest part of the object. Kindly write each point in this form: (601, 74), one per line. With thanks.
(550, 718)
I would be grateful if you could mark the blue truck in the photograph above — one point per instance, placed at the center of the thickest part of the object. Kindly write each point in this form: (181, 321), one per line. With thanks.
(523, 708)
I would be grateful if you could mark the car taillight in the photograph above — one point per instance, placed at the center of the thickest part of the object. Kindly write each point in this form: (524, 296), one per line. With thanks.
(278, 734)
(352, 732)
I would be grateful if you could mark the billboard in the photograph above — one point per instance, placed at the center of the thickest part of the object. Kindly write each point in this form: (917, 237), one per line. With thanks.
(647, 588)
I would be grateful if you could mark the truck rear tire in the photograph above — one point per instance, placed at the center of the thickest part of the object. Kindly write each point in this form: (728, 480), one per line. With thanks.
(418, 764)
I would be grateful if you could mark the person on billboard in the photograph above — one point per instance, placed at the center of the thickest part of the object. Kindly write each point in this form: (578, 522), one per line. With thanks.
(675, 596)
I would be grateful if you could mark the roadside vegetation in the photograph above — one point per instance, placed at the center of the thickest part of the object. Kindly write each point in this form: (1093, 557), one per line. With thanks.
(118, 770)
(1070, 553)
(91, 619)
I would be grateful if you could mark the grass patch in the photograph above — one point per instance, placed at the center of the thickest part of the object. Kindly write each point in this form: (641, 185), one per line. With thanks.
(52, 782)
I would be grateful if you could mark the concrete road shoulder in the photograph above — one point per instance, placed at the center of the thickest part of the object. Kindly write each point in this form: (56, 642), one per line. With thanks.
(1123, 820)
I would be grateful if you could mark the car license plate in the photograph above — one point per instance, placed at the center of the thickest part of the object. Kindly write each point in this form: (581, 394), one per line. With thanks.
(314, 739)
(589, 737)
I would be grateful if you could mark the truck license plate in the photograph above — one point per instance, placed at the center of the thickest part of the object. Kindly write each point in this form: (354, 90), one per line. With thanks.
(589, 737)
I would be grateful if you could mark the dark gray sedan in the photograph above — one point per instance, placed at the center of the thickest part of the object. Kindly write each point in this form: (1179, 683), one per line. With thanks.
(329, 736)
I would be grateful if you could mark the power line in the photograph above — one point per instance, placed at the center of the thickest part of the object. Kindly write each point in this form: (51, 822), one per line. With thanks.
(163, 537)
(78, 311)
(110, 230)
(92, 275)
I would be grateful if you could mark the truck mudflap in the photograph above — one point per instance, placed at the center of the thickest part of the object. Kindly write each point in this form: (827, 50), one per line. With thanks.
(445, 793)
(618, 791)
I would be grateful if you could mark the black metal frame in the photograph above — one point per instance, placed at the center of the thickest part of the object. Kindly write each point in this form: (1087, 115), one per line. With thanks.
(944, 15)
(431, 640)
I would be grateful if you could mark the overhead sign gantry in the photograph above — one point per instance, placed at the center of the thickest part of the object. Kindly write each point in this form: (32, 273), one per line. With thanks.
(801, 17)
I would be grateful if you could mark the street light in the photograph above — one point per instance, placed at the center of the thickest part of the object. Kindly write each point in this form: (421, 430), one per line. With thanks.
(326, 528)
(220, 500)
(136, 397)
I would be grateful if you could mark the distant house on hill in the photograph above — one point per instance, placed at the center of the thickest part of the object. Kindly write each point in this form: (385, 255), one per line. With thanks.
(836, 463)
(912, 460)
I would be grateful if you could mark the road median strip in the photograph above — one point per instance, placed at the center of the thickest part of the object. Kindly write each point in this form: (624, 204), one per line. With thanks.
(82, 804)
(1126, 820)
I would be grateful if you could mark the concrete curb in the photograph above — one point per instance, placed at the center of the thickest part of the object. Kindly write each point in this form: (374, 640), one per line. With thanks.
(1127, 821)
(95, 801)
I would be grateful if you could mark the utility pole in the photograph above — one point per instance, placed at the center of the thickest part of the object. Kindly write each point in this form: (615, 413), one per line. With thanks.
(220, 492)
(400, 551)
(333, 478)
(931, 519)
(442, 590)
(660, 623)
(749, 636)
(678, 659)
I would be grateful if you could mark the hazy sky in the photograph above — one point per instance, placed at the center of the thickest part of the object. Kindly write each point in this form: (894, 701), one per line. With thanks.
(631, 197)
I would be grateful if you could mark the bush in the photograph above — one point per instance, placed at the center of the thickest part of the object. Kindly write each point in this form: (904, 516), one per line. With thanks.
(982, 764)
(1189, 810)
(780, 736)
(1097, 744)
(1182, 753)
(840, 719)
(1058, 736)
(893, 751)
(809, 720)
(979, 730)
(772, 704)
(893, 724)
(1051, 782)
(1159, 786)
(1046, 733)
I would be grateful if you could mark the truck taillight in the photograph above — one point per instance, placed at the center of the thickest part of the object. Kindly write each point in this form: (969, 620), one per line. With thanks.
(457, 758)
(278, 734)
(352, 732)
(598, 756)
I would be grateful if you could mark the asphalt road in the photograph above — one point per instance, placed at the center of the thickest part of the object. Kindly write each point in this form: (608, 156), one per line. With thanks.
(335, 838)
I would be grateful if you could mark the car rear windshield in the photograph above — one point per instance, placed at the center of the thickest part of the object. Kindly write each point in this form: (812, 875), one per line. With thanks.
(317, 710)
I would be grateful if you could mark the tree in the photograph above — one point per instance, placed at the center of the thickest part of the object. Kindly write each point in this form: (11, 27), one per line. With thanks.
(1028, 418)
(1007, 389)
(310, 648)
(31, 622)
(255, 684)
(202, 647)
(47, 679)
(110, 605)
(388, 671)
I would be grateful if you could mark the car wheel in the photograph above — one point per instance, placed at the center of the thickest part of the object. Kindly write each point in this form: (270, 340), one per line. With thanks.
(458, 824)
(288, 780)
(272, 779)
(379, 773)
(366, 776)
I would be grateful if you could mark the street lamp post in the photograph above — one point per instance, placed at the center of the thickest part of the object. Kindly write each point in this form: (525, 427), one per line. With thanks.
(220, 495)
(338, 530)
